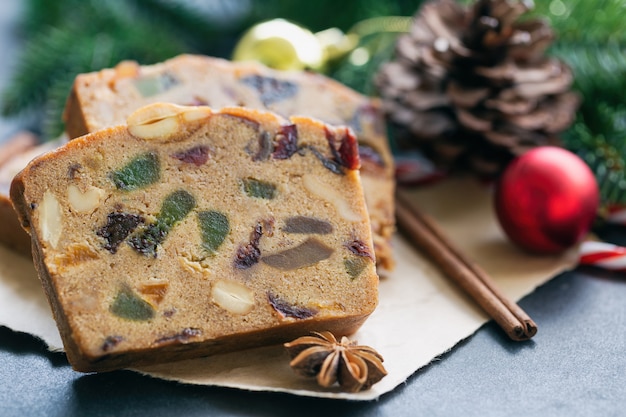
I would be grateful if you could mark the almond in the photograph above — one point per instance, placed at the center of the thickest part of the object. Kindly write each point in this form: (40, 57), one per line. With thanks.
(233, 296)
(84, 202)
(50, 219)
(165, 121)
(325, 192)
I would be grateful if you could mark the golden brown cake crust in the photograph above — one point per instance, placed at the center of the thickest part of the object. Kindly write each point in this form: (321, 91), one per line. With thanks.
(190, 232)
(107, 97)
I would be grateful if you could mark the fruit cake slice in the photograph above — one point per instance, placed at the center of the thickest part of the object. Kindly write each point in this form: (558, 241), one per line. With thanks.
(107, 97)
(188, 232)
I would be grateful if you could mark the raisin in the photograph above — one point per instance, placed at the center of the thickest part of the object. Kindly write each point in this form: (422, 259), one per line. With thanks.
(155, 84)
(249, 254)
(286, 142)
(331, 165)
(307, 225)
(270, 89)
(147, 242)
(198, 155)
(359, 248)
(110, 342)
(179, 338)
(306, 254)
(175, 208)
(117, 228)
(74, 170)
(214, 226)
(289, 310)
(143, 170)
(130, 306)
(259, 189)
(346, 153)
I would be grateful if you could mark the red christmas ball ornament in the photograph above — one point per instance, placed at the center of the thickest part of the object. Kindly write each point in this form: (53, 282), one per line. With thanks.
(546, 200)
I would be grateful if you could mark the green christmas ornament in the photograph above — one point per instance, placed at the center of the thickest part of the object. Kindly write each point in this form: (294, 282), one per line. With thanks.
(281, 45)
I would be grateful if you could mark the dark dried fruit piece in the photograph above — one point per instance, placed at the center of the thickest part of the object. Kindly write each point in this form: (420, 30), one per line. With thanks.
(371, 160)
(330, 164)
(306, 254)
(110, 342)
(287, 309)
(179, 338)
(345, 150)
(258, 189)
(249, 254)
(359, 248)
(152, 85)
(130, 306)
(307, 225)
(349, 150)
(198, 155)
(270, 89)
(117, 228)
(143, 170)
(175, 208)
(73, 170)
(354, 266)
(286, 142)
(369, 116)
(214, 227)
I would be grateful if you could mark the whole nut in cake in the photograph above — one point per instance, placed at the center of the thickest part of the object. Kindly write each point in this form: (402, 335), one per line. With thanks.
(163, 121)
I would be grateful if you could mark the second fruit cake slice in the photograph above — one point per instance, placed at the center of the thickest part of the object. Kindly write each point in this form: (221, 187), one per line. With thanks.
(105, 98)
(189, 232)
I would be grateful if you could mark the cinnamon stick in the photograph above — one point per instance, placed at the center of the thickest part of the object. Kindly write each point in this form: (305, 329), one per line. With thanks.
(470, 277)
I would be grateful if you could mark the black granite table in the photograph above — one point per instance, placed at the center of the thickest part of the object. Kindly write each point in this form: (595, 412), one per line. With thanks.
(575, 366)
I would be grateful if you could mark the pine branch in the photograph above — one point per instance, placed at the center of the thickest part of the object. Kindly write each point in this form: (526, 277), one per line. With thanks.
(56, 54)
(584, 20)
(599, 133)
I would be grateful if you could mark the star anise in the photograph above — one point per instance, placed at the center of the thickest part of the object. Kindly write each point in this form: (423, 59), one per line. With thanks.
(320, 355)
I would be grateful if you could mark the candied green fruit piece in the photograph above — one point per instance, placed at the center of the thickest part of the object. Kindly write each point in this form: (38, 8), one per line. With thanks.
(143, 170)
(354, 266)
(306, 254)
(215, 227)
(155, 84)
(175, 208)
(259, 189)
(130, 306)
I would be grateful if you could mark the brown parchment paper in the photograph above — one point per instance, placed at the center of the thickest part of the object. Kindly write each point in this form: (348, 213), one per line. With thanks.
(420, 316)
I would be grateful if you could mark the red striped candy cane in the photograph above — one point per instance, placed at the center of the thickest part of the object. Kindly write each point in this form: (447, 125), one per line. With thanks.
(603, 255)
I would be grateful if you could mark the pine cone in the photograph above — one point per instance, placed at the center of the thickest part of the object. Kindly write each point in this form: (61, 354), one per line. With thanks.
(471, 86)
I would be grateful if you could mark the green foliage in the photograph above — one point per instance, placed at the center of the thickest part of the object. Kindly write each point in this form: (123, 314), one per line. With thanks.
(67, 37)
(590, 38)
